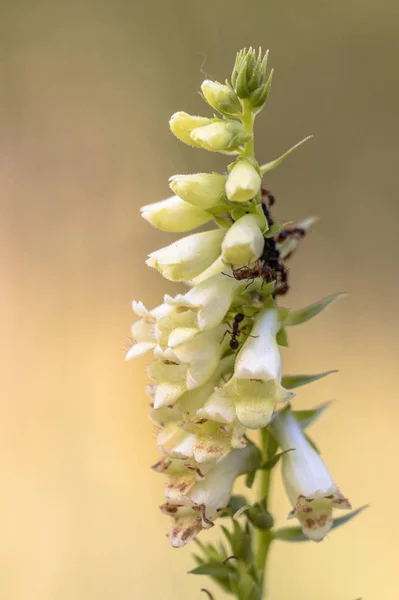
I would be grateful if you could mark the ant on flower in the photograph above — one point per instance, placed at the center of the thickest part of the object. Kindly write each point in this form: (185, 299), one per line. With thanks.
(236, 331)
(269, 266)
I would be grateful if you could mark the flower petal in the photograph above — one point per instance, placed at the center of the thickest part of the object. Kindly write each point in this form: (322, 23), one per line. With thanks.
(174, 215)
(189, 256)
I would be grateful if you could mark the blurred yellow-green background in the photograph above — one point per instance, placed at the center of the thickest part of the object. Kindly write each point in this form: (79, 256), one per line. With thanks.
(87, 87)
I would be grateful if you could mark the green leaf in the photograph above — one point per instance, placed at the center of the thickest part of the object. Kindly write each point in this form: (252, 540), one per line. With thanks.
(215, 569)
(277, 162)
(307, 417)
(247, 586)
(297, 317)
(240, 541)
(295, 534)
(293, 381)
(282, 338)
(348, 517)
(210, 551)
(268, 465)
(250, 478)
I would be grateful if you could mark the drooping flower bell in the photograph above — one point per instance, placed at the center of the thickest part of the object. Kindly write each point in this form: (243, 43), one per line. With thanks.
(255, 387)
(307, 481)
(195, 499)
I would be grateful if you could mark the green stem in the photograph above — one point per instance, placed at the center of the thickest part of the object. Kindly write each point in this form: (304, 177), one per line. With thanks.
(248, 119)
(263, 538)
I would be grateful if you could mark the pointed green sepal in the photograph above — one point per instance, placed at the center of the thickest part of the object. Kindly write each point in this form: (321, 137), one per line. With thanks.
(312, 443)
(250, 478)
(277, 162)
(307, 417)
(293, 381)
(282, 338)
(215, 569)
(259, 96)
(297, 317)
(268, 465)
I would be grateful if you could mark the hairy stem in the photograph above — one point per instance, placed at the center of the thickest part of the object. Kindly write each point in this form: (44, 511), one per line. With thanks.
(263, 538)
(248, 122)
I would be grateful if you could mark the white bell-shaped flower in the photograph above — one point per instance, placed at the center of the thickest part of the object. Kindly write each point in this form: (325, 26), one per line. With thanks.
(307, 481)
(243, 182)
(188, 257)
(214, 490)
(183, 434)
(207, 497)
(220, 136)
(203, 190)
(255, 386)
(208, 301)
(144, 330)
(174, 215)
(187, 366)
(182, 124)
(243, 242)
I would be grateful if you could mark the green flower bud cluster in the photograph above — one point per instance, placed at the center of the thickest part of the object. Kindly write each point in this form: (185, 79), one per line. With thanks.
(217, 370)
(249, 78)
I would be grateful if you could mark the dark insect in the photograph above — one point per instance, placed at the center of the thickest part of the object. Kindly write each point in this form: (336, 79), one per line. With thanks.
(269, 266)
(297, 232)
(258, 270)
(235, 331)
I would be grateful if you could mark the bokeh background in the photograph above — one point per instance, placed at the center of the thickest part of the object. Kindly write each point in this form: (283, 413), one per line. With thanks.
(87, 87)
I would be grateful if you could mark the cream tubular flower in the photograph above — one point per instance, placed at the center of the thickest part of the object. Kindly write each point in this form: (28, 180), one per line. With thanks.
(243, 182)
(307, 481)
(204, 190)
(255, 387)
(220, 136)
(214, 491)
(196, 504)
(182, 124)
(208, 301)
(174, 215)
(187, 366)
(243, 242)
(202, 354)
(189, 256)
(144, 330)
(182, 433)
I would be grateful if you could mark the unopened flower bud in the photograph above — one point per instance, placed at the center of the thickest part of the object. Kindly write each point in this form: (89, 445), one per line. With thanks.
(174, 215)
(220, 136)
(182, 124)
(204, 190)
(187, 257)
(249, 77)
(221, 97)
(243, 242)
(243, 182)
